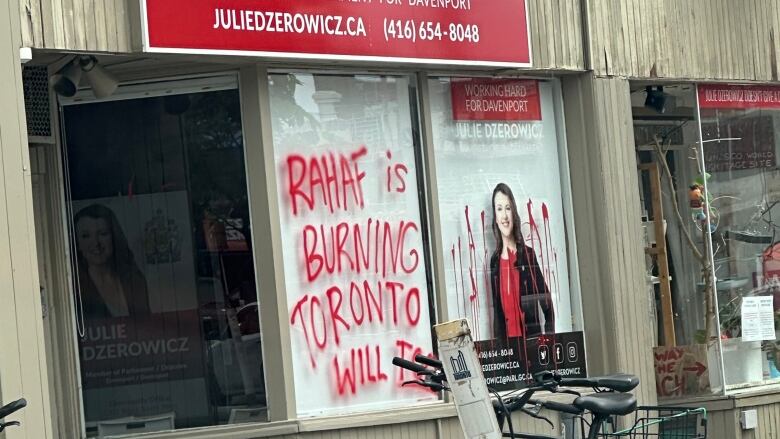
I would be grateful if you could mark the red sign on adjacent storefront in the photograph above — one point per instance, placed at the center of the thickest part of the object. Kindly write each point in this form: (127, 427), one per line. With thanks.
(495, 99)
(749, 137)
(717, 96)
(473, 32)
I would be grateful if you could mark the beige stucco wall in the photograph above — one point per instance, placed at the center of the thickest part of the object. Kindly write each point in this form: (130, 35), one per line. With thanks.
(22, 352)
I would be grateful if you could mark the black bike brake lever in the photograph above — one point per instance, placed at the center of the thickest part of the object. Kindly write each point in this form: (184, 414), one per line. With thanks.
(537, 416)
(437, 386)
(535, 409)
(437, 377)
(3, 425)
(552, 387)
(570, 392)
(429, 384)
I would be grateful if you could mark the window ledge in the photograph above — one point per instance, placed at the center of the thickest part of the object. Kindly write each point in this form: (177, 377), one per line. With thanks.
(427, 412)
(238, 431)
(747, 397)
(416, 413)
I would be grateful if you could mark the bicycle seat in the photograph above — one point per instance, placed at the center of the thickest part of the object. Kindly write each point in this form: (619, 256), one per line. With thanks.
(619, 382)
(607, 403)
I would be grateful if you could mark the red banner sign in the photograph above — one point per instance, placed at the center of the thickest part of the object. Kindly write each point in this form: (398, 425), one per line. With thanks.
(473, 32)
(495, 99)
(717, 96)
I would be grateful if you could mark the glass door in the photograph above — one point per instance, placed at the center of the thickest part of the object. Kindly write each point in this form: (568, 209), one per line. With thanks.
(164, 287)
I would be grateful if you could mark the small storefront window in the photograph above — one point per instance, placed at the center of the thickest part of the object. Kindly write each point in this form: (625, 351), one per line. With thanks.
(708, 182)
(739, 200)
(354, 254)
(666, 136)
(164, 286)
(509, 256)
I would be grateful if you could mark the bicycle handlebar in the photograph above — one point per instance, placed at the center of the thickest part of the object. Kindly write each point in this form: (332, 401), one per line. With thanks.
(619, 382)
(612, 385)
(547, 381)
(428, 361)
(408, 365)
(12, 407)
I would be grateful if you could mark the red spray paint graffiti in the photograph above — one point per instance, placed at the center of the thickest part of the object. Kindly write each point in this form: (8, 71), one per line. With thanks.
(336, 176)
(473, 297)
(323, 324)
(336, 249)
(366, 264)
(542, 246)
(545, 251)
(365, 367)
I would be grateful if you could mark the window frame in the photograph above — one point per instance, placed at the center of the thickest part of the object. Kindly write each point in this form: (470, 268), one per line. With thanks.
(252, 83)
(566, 192)
(423, 198)
(725, 389)
(148, 88)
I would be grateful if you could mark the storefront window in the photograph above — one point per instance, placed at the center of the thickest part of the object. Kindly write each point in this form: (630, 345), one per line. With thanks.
(675, 243)
(164, 286)
(354, 255)
(509, 255)
(707, 181)
(739, 194)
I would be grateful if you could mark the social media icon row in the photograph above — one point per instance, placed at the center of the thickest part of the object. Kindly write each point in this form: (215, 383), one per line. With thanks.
(558, 353)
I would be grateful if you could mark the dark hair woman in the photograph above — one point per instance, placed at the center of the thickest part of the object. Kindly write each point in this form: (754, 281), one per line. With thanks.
(109, 281)
(518, 287)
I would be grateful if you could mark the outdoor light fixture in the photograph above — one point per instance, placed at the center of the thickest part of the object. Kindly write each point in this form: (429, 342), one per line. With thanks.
(656, 99)
(103, 83)
(66, 81)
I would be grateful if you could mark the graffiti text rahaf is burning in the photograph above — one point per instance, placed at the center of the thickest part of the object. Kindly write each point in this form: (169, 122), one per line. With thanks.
(361, 270)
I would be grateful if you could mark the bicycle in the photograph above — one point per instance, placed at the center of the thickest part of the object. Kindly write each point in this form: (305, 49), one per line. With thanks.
(7, 410)
(596, 412)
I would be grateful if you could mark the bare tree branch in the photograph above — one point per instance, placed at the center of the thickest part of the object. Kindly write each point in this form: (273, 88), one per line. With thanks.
(706, 267)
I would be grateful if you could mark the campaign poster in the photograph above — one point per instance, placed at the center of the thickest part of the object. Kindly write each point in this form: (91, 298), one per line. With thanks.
(506, 244)
(136, 308)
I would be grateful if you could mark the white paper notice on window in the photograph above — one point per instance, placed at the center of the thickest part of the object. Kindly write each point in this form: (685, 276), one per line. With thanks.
(758, 322)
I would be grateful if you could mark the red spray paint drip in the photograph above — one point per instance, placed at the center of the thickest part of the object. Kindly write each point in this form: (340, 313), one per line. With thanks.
(540, 242)
(473, 297)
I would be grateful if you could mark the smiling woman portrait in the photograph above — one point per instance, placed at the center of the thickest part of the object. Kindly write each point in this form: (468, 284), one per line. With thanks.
(522, 302)
(109, 281)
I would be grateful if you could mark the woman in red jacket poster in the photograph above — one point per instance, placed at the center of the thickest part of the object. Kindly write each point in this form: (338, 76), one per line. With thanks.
(522, 302)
